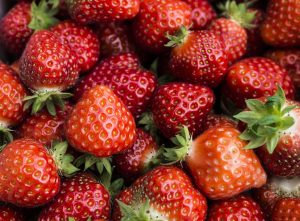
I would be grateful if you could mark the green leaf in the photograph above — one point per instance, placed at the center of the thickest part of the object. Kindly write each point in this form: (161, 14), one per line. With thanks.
(269, 119)
(90, 160)
(286, 123)
(288, 109)
(258, 142)
(255, 105)
(107, 165)
(179, 38)
(247, 135)
(71, 219)
(272, 143)
(50, 107)
(249, 117)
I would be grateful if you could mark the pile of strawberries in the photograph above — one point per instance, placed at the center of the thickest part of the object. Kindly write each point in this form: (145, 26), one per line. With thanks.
(150, 110)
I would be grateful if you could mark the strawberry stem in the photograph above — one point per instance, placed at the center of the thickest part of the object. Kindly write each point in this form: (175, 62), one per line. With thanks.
(178, 38)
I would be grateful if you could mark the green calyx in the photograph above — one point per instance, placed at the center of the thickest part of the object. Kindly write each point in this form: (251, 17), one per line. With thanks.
(266, 121)
(147, 123)
(49, 99)
(42, 14)
(5, 136)
(238, 13)
(178, 38)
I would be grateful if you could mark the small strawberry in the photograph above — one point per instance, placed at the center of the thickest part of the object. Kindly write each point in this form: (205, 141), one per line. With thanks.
(282, 27)
(82, 40)
(94, 11)
(273, 124)
(287, 210)
(197, 57)
(100, 124)
(155, 19)
(215, 120)
(165, 193)
(81, 197)
(238, 208)
(8, 213)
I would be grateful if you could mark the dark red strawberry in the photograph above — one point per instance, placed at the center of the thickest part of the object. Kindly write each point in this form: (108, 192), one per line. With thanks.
(165, 193)
(198, 57)
(155, 19)
(81, 197)
(287, 210)
(82, 40)
(238, 208)
(8, 213)
(215, 120)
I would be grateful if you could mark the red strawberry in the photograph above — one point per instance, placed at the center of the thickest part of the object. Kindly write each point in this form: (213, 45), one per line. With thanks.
(8, 213)
(281, 26)
(220, 165)
(198, 57)
(48, 67)
(165, 193)
(181, 104)
(274, 124)
(238, 208)
(155, 19)
(287, 210)
(100, 124)
(254, 78)
(80, 197)
(95, 11)
(214, 120)
(81, 40)
(138, 159)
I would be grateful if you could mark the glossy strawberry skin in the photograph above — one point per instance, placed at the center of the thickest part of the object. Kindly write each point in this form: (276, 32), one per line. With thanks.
(168, 188)
(48, 64)
(176, 105)
(237, 208)
(287, 210)
(14, 30)
(28, 174)
(100, 124)
(221, 168)
(155, 19)
(81, 197)
(82, 40)
(200, 59)
(12, 93)
(8, 213)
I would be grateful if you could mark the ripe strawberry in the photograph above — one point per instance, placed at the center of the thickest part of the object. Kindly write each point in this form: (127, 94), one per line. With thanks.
(215, 120)
(94, 11)
(273, 124)
(48, 67)
(238, 208)
(155, 19)
(198, 57)
(8, 213)
(100, 124)
(202, 13)
(82, 40)
(287, 210)
(165, 193)
(281, 26)
(181, 104)
(219, 164)
(139, 158)
(254, 78)
(81, 197)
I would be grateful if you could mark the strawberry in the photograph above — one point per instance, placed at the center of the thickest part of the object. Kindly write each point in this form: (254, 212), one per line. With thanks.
(82, 40)
(281, 26)
(181, 104)
(22, 20)
(215, 120)
(155, 19)
(29, 174)
(220, 165)
(273, 124)
(253, 78)
(81, 197)
(165, 193)
(287, 210)
(48, 67)
(232, 28)
(197, 57)
(8, 213)
(94, 11)
(100, 124)
(238, 208)
(202, 13)
(139, 158)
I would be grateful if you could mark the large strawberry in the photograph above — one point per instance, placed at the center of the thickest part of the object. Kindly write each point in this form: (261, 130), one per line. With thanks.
(100, 124)
(155, 19)
(220, 165)
(197, 57)
(82, 40)
(273, 124)
(80, 197)
(165, 193)
(287, 209)
(281, 26)
(48, 67)
(9, 213)
(96, 11)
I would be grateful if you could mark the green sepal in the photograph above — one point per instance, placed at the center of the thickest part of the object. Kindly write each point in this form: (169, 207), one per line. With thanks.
(115, 187)
(42, 14)
(147, 123)
(5, 136)
(154, 66)
(164, 79)
(156, 160)
(178, 38)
